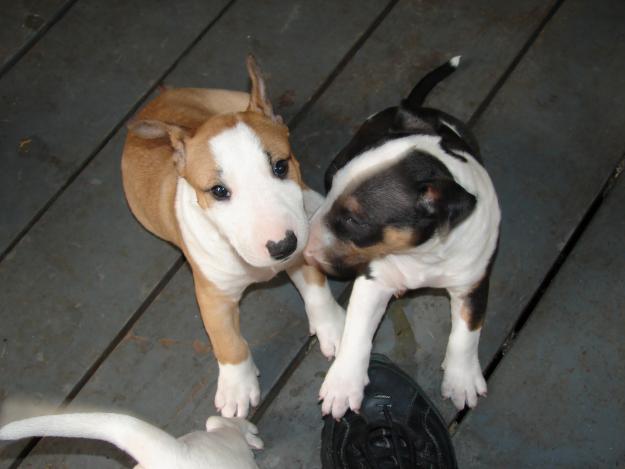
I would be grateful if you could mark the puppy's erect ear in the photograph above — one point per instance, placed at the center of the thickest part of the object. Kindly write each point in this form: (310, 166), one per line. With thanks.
(259, 101)
(445, 201)
(152, 129)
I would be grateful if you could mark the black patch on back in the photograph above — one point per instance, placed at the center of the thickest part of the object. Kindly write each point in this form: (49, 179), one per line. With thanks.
(410, 118)
(371, 134)
(398, 122)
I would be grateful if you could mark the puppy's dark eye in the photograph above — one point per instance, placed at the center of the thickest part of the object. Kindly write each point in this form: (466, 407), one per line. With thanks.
(281, 168)
(350, 220)
(220, 192)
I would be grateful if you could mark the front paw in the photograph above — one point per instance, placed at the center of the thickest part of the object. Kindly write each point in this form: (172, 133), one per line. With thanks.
(463, 383)
(328, 326)
(343, 388)
(237, 388)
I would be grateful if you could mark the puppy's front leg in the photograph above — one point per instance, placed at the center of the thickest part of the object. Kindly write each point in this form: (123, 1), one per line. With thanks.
(325, 317)
(237, 385)
(463, 380)
(344, 384)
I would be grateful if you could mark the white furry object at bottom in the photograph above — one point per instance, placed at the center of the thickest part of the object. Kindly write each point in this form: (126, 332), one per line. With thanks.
(224, 445)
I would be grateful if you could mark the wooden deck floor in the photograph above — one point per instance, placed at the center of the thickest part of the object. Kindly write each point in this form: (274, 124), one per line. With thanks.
(94, 311)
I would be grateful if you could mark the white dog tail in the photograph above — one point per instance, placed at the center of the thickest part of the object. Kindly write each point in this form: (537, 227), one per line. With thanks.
(149, 445)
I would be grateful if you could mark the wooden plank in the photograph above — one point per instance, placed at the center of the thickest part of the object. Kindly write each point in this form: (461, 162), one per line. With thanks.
(557, 398)
(20, 22)
(74, 86)
(536, 145)
(165, 371)
(132, 261)
(292, 425)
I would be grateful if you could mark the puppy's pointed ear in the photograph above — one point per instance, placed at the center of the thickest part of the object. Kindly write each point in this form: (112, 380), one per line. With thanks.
(446, 202)
(259, 100)
(152, 129)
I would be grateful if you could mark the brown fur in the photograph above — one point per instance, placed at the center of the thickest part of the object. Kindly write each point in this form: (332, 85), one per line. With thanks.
(474, 305)
(220, 315)
(312, 276)
(395, 240)
(148, 170)
(167, 141)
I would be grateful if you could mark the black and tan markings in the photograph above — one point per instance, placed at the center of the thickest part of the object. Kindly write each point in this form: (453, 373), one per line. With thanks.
(394, 210)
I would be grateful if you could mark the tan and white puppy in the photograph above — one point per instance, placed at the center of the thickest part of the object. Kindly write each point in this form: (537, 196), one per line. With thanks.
(212, 172)
(410, 205)
(225, 444)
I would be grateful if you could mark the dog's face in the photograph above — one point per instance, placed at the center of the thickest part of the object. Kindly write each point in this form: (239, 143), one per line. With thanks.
(388, 192)
(246, 179)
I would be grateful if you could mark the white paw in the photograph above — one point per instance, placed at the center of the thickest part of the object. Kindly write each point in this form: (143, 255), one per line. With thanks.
(237, 388)
(328, 326)
(247, 429)
(463, 382)
(343, 388)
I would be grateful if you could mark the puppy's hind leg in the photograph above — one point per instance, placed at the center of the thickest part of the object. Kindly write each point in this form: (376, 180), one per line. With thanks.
(463, 381)
(325, 317)
(237, 386)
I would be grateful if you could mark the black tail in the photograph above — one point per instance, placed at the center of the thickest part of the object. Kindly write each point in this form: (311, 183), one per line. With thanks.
(418, 94)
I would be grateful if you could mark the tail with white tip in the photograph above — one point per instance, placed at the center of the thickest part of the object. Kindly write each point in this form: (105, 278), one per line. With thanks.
(149, 445)
(418, 94)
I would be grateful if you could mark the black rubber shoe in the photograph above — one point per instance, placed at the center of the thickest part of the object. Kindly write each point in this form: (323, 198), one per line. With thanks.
(398, 427)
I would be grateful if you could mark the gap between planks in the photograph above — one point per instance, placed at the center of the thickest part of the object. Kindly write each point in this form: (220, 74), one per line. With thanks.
(32, 42)
(112, 133)
(529, 309)
(180, 261)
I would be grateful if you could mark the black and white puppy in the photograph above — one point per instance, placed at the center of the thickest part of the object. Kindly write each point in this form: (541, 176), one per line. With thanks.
(409, 205)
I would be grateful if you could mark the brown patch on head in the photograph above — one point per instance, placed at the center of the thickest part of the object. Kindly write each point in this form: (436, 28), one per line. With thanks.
(274, 138)
(351, 203)
(394, 240)
(348, 257)
(200, 168)
(204, 200)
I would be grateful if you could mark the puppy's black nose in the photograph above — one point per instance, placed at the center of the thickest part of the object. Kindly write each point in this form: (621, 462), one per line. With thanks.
(283, 248)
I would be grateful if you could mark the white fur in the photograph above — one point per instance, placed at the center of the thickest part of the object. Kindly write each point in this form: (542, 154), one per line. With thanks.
(372, 161)
(369, 162)
(455, 261)
(220, 263)
(224, 444)
(211, 250)
(227, 241)
(237, 388)
(325, 317)
(344, 384)
(460, 258)
(463, 380)
(262, 207)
